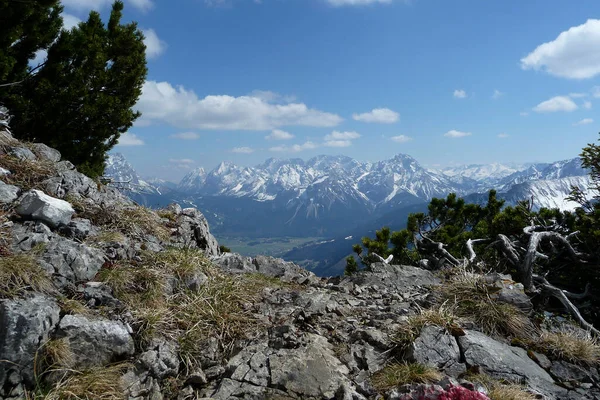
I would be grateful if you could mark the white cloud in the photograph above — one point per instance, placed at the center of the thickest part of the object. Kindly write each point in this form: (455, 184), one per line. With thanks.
(503, 135)
(130, 139)
(154, 45)
(573, 54)
(585, 121)
(460, 94)
(338, 143)
(497, 94)
(523, 113)
(272, 97)
(70, 21)
(555, 104)
(181, 161)
(335, 135)
(340, 3)
(161, 102)
(186, 136)
(294, 148)
(142, 5)
(456, 134)
(278, 134)
(378, 115)
(242, 150)
(401, 139)
(587, 105)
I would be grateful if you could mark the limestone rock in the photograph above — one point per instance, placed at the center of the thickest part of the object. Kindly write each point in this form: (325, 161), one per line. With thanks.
(72, 261)
(46, 153)
(161, 360)
(37, 205)
(193, 231)
(24, 327)
(436, 348)
(8, 193)
(22, 153)
(95, 342)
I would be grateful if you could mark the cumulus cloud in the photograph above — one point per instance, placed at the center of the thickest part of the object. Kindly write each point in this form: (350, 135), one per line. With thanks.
(378, 115)
(272, 97)
(503, 135)
(340, 139)
(70, 21)
(573, 54)
(130, 139)
(585, 121)
(242, 150)
(497, 94)
(456, 134)
(294, 148)
(186, 136)
(182, 108)
(278, 134)
(459, 94)
(401, 139)
(154, 45)
(555, 104)
(335, 135)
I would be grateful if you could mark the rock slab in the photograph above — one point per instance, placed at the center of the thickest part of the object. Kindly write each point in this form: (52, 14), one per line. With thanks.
(37, 205)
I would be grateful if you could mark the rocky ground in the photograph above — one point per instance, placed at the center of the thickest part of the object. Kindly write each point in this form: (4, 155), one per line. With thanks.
(102, 299)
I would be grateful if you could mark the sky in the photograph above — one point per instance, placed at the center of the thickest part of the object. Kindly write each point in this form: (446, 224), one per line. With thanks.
(446, 81)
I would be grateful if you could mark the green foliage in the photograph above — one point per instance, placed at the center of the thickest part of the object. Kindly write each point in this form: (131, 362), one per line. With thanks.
(351, 266)
(224, 249)
(25, 27)
(80, 101)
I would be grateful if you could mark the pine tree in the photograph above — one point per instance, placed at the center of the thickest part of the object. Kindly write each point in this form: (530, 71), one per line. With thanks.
(81, 100)
(25, 28)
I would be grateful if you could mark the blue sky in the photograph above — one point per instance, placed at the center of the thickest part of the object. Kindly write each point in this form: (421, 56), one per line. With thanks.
(448, 82)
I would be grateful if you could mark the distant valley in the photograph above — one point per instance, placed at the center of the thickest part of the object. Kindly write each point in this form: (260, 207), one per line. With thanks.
(335, 199)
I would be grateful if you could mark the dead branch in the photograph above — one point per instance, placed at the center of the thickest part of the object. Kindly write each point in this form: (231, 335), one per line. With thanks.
(470, 243)
(562, 297)
(526, 268)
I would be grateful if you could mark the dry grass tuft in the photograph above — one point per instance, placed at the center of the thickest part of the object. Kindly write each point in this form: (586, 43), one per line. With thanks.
(96, 384)
(442, 316)
(570, 346)
(472, 296)
(4, 234)
(20, 273)
(509, 392)
(134, 221)
(395, 375)
(498, 390)
(73, 306)
(56, 354)
(26, 174)
(218, 309)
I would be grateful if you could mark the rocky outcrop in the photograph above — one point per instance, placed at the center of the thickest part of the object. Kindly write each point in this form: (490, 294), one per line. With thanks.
(290, 335)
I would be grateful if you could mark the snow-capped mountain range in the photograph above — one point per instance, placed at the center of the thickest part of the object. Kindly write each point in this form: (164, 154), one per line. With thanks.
(338, 190)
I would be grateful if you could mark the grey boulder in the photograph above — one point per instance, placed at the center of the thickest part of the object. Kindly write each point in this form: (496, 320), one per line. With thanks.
(37, 205)
(8, 193)
(24, 328)
(71, 260)
(192, 231)
(46, 153)
(95, 342)
(436, 348)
